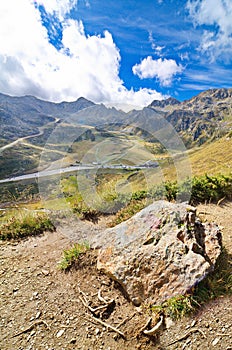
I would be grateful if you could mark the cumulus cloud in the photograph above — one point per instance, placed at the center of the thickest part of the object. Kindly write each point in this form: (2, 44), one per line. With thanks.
(82, 65)
(217, 14)
(161, 69)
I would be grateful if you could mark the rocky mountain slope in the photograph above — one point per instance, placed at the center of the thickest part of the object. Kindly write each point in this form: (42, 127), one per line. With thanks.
(22, 116)
(204, 118)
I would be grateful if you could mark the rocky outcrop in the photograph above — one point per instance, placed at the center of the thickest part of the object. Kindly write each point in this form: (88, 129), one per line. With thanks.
(163, 103)
(162, 251)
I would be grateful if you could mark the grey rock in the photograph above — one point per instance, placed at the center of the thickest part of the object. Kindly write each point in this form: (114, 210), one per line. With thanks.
(161, 252)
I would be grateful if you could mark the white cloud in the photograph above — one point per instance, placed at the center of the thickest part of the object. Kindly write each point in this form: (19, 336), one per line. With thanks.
(162, 69)
(85, 66)
(59, 7)
(216, 41)
(158, 49)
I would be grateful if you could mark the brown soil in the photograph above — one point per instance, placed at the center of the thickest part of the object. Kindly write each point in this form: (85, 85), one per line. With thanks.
(41, 306)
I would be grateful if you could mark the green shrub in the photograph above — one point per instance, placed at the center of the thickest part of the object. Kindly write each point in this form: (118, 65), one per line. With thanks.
(25, 224)
(176, 307)
(71, 255)
(171, 189)
(211, 188)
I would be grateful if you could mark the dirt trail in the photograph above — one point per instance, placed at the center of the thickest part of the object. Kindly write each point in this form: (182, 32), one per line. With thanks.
(44, 302)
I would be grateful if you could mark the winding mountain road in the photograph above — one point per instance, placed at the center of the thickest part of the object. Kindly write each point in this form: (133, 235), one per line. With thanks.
(22, 139)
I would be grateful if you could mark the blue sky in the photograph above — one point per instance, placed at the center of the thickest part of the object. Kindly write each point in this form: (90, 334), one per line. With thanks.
(116, 52)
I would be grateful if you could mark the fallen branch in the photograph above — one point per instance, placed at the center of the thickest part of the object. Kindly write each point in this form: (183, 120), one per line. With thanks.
(107, 325)
(28, 329)
(194, 330)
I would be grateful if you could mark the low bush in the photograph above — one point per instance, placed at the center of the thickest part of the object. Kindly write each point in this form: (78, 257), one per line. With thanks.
(24, 224)
(71, 256)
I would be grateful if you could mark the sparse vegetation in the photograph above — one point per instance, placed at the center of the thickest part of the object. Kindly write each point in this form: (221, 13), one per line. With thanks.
(25, 223)
(71, 255)
(176, 307)
(216, 284)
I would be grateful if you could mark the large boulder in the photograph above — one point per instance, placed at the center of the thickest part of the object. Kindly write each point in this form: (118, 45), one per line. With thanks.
(162, 251)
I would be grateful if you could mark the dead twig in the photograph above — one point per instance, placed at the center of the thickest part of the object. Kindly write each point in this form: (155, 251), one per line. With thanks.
(28, 329)
(85, 302)
(194, 330)
(101, 298)
(146, 325)
(107, 325)
(126, 320)
(93, 310)
(221, 200)
(154, 329)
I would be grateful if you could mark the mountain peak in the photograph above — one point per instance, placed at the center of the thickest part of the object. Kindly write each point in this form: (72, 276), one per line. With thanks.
(170, 101)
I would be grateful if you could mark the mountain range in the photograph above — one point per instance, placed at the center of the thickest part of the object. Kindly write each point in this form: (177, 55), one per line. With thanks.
(204, 116)
(201, 119)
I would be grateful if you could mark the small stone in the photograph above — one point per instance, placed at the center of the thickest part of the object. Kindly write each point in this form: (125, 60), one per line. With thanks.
(45, 272)
(169, 322)
(97, 331)
(136, 301)
(38, 314)
(215, 341)
(60, 333)
(35, 294)
(73, 341)
(193, 323)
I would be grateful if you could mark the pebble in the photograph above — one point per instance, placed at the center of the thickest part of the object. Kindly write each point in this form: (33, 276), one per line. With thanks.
(38, 315)
(215, 341)
(97, 331)
(73, 341)
(169, 322)
(60, 333)
(193, 323)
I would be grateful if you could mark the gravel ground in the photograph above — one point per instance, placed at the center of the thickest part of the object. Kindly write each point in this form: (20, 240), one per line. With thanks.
(42, 307)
